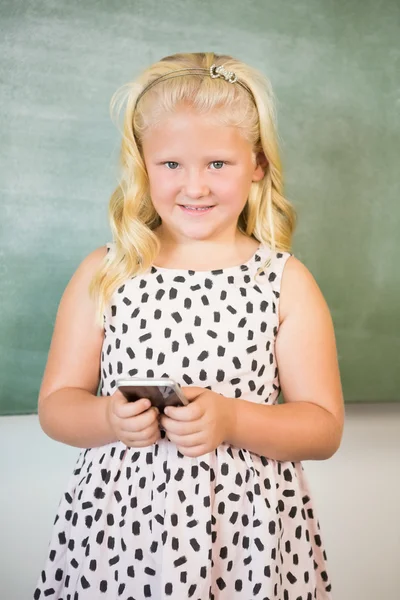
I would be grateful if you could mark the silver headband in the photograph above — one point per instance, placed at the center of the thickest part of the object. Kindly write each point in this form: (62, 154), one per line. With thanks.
(214, 72)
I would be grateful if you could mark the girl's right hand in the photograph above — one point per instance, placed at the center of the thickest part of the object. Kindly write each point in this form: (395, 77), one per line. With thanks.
(135, 424)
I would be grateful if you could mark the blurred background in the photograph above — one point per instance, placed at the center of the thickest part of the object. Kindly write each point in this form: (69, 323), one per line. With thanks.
(334, 67)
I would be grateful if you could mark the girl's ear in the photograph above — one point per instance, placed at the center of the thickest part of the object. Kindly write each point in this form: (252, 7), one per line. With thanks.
(261, 166)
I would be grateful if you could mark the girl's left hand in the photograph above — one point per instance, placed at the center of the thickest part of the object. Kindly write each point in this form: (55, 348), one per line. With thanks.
(202, 425)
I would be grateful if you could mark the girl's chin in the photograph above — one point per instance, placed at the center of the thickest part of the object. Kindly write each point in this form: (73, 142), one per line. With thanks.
(192, 228)
(194, 233)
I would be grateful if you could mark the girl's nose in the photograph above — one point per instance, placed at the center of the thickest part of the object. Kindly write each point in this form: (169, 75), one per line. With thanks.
(195, 186)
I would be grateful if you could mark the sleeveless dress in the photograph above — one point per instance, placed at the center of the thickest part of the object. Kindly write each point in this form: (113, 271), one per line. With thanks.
(152, 523)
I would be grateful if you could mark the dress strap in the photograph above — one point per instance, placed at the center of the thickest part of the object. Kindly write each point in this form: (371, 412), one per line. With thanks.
(272, 275)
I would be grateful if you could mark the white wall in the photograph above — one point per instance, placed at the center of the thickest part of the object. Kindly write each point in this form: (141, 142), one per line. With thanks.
(357, 494)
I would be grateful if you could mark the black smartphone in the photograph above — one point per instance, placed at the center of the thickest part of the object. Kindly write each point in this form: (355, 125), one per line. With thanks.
(161, 392)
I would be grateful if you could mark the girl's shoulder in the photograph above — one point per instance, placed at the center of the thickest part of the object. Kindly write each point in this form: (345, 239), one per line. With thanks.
(299, 289)
(80, 282)
(97, 255)
(90, 263)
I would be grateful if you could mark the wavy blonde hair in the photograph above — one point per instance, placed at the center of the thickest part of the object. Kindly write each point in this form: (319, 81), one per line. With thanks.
(267, 216)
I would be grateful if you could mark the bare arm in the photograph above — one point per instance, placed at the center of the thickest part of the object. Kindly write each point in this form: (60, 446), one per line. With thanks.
(69, 410)
(310, 423)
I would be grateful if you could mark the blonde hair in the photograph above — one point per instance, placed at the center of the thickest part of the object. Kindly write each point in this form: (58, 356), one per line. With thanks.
(267, 216)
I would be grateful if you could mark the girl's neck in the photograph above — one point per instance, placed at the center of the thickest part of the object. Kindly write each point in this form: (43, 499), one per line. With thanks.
(205, 255)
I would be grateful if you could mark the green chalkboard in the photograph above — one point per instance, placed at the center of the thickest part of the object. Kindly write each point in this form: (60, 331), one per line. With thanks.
(335, 70)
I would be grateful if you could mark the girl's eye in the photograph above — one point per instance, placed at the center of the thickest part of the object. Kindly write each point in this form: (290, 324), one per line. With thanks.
(217, 164)
(171, 164)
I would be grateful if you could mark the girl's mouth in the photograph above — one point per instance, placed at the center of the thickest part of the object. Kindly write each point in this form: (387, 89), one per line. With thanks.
(196, 210)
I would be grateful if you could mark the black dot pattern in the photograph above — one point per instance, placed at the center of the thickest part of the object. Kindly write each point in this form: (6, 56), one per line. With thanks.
(152, 523)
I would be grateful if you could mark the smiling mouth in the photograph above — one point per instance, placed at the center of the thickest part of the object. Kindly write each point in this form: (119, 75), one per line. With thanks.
(188, 207)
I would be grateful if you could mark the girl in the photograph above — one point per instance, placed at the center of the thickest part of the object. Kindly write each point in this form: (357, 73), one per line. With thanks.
(209, 500)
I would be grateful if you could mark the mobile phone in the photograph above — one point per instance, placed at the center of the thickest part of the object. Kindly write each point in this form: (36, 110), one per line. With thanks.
(161, 392)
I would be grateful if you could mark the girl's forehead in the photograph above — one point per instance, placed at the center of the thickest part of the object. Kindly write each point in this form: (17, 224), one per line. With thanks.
(187, 117)
(209, 127)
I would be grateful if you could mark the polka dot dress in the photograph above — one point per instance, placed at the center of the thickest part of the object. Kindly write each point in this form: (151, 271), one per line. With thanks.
(152, 523)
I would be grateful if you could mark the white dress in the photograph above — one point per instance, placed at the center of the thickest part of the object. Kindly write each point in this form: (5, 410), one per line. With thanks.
(152, 523)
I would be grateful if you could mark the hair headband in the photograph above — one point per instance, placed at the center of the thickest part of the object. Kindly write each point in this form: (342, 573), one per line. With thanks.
(214, 72)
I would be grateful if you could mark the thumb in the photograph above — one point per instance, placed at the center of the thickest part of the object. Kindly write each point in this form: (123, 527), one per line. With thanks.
(191, 392)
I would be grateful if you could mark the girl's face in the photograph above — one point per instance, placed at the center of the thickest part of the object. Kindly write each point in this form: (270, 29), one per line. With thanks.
(200, 173)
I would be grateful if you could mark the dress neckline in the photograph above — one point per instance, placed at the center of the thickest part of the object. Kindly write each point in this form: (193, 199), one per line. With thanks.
(242, 266)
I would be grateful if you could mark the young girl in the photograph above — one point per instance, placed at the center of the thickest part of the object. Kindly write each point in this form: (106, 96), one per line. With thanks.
(209, 500)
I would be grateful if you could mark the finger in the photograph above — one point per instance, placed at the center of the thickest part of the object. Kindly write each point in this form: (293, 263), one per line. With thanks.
(133, 433)
(186, 441)
(192, 392)
(119, 399)
(194, 451)
(180, 427)
(149, 433)
(140, 422)
(134, 443)
(191, 412)
(125, 409)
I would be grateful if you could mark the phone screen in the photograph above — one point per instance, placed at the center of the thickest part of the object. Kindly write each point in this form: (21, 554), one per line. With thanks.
(159, 395)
